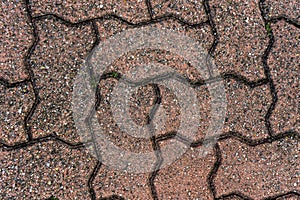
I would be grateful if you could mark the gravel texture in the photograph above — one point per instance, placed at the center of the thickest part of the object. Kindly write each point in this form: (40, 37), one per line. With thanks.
(255, 46)
(242, 38)
(84, 10)
(275, 164)
(15, 40)
(284, 65)
(15, 104)
(59, 54)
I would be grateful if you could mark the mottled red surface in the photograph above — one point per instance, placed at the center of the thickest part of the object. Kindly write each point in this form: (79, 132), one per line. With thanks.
(15, 104)
(287, 8)
(189, 11)
(261, 171)
(45, 169)
(242, 37)
(58, 56)
(15, 40)
(119, 183)
(256, 155)
(284, 65)
(133, 11)
(187, 176)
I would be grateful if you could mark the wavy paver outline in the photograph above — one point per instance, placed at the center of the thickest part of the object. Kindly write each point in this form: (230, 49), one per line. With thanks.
(236, 77)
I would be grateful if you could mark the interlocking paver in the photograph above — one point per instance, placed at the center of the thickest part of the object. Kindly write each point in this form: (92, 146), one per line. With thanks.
(111, 128)
(133, 11)
(110, 182)
(258, 172)
(15, 104)
(242, 38)
(287, 8)
(45, 169)
(192, 12)
(257, 58)
(56, 60)
(241, 116)
(15, 39)
(284, 66)
(288, 197)
(202, 34)
(186, 178)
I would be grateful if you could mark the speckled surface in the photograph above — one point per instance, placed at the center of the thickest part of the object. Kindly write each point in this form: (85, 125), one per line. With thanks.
(15, 39)
(242, 115)
(59, 54)
(284, 65)
(255, 157)
(192, 12)
(45, 169)
(192, 165)
(287, 8)
(261, 171)
(15, 105)
(88, 9)
(242, 38)
(127, 185)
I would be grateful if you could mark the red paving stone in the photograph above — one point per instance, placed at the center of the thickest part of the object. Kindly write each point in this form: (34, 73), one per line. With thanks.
(243, 38)
(191, 12)
(45, 169)
(242, 116)
(15, 39)
(186, 178)
(258, 172)
(133, 11)
(287, 8)
(246, 164)
(289, 197)
(15, 104)
(109, 126)
(246, 109)
(57, 57)
(284, 65)
(127, 185)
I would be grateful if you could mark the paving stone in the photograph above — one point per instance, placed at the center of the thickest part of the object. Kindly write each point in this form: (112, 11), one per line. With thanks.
(45, 169)
(15, 39)
(288, 8)
(123, 137)
(288, 197)
(246, 109)
(163, 57)
(172, 113)
(119, 183)
(242, 116)
(56, 60)
(189, 11)
(258, 172)
(41, 169)
(284, 65)
(186, 178)
(133, 11)
(15, 104)
(243, 38)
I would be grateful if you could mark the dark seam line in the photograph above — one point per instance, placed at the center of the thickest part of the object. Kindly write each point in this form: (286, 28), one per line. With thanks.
(214, 33)
(267, 71)
(8, 84)
(91, 179)
(238, 78)
(31, 73)
(115, 17)
(149, 7)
